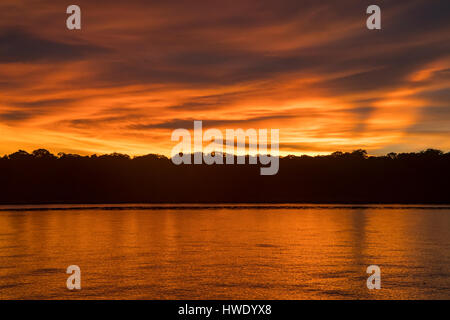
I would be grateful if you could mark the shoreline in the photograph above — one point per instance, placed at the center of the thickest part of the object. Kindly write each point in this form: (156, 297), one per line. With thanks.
(209, 206)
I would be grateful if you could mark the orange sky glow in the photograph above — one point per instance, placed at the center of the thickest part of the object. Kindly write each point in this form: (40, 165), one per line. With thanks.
(140, 69)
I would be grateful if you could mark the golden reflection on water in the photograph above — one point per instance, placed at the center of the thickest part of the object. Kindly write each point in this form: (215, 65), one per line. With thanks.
(311, 253)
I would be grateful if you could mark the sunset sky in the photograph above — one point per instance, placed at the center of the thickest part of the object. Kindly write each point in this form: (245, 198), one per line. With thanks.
(139, 69)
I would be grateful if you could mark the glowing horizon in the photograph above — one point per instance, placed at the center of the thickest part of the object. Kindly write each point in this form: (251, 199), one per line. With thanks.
(136, 71)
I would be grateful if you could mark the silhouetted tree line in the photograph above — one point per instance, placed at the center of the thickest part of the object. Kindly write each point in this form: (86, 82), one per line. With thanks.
(41, 177)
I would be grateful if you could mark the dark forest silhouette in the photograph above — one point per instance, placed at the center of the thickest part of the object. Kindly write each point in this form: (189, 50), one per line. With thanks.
(41, 177)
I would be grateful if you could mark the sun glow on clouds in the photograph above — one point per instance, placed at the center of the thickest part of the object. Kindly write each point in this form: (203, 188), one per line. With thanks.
(138, 70)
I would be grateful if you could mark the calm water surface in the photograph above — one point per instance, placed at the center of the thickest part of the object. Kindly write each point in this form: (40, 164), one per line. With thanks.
(311, 252)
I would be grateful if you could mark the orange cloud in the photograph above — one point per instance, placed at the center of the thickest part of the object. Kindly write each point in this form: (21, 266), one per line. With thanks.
(138, 69)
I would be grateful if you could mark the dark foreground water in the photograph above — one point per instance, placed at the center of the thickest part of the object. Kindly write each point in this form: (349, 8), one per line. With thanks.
(243, 252)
